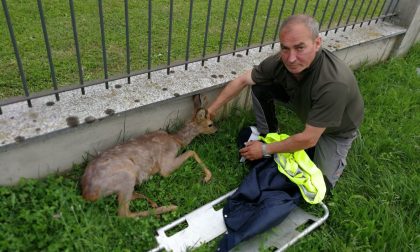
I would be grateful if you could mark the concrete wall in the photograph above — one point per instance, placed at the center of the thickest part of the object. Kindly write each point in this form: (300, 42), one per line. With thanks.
(57, 151)
(408, 17)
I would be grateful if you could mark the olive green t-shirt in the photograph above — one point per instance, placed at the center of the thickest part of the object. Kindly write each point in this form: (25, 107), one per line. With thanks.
(326, 96)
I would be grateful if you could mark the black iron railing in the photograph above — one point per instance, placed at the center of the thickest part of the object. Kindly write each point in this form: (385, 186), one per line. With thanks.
(227, 26)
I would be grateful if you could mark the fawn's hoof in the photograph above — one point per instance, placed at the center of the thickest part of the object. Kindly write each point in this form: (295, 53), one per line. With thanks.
(169, 208)
(207, 177)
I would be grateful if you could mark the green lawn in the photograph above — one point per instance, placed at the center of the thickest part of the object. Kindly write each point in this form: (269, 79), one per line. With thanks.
(375, 206)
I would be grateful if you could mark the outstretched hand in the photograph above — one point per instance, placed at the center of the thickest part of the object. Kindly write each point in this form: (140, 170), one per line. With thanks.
(211, 114)
(252, 150)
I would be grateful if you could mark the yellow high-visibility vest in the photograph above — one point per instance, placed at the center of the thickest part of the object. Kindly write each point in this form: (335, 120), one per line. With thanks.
(300, 169)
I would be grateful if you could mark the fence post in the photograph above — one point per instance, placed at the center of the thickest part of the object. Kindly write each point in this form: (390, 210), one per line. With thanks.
(408, 17)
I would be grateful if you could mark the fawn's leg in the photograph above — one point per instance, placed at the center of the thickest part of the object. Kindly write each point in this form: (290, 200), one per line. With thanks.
(207, 172)
(124, 199)
(142, 196)
(126, 194)
(125, 191)
(171, 165)
(155, 211)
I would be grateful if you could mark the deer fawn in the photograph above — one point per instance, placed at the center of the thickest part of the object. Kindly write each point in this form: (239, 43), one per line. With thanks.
(118, 169)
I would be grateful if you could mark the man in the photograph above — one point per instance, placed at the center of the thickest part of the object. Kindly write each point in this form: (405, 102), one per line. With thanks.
(317, 85)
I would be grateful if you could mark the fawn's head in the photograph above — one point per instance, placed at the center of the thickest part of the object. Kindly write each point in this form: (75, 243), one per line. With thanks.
(202, 119)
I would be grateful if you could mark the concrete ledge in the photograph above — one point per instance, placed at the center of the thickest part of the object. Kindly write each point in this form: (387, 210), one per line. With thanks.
(365, 44)
(51, 136)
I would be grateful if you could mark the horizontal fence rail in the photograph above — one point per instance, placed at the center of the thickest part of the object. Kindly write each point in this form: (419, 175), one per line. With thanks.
(53, 47)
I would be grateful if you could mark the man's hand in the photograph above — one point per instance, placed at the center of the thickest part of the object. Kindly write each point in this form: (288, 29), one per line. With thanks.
(230, 91)
(252, 150)
(211, 114)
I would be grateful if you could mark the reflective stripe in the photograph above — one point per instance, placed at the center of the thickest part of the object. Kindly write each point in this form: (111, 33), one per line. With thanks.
(307, 193)
(300, 169)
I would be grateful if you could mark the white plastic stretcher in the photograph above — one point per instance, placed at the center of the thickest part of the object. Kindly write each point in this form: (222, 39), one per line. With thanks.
(206, 223)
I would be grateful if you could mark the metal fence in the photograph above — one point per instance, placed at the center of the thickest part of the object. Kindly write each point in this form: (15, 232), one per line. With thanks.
(109, 40)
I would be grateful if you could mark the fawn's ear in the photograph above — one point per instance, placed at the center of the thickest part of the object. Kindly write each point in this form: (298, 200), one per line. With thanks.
(205, 102)
(197, 102)
(201, 115)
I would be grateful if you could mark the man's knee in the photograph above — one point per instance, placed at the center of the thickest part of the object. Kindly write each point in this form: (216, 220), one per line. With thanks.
(270, 93)
(330, 156)
(334, 172)
(260, 92)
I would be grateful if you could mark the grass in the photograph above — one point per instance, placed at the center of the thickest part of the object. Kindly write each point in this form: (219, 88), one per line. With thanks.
(30, 40)
(374, 207)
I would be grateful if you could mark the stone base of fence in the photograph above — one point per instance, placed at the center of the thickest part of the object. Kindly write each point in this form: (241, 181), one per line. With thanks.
(52, 136)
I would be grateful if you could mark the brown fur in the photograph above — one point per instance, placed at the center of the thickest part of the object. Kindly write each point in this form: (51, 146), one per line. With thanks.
(120, 168)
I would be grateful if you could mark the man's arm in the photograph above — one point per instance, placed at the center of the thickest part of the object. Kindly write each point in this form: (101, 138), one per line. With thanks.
(230, 91)
(300, 141)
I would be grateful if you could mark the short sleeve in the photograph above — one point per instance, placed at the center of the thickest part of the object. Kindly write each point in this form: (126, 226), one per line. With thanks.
(265, 71)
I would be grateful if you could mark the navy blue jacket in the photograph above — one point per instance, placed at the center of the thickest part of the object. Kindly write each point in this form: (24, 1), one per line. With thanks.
(264, 199)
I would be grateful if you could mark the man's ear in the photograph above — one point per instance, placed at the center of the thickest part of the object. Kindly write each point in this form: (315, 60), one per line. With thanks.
(318, 43)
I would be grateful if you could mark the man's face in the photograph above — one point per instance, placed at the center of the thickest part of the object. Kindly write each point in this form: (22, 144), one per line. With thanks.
(298, 48)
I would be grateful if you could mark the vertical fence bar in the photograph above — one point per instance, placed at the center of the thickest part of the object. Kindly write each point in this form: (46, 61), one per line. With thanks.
(101, 23)
(366, 12)
(187, 55)
(373, 12)
(350, 14)
(323, 14)
(252, 25)
(222, 32)
(206, 32)
(389, 7)
(127, 41)
(391, 2)
(306, 6)
(171, 17)
(358, 13)
(76, 45)
(395, 6)
(332, 17)
(48, 48)
(238, 27)
(276, 32)
(294, 7)
(341, 16)
(266, 23)
(15, 48)
(149, 39)
(380, 12)
(316, 8)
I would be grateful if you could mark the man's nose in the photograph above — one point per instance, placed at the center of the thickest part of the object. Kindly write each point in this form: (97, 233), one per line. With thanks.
(292, 56)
